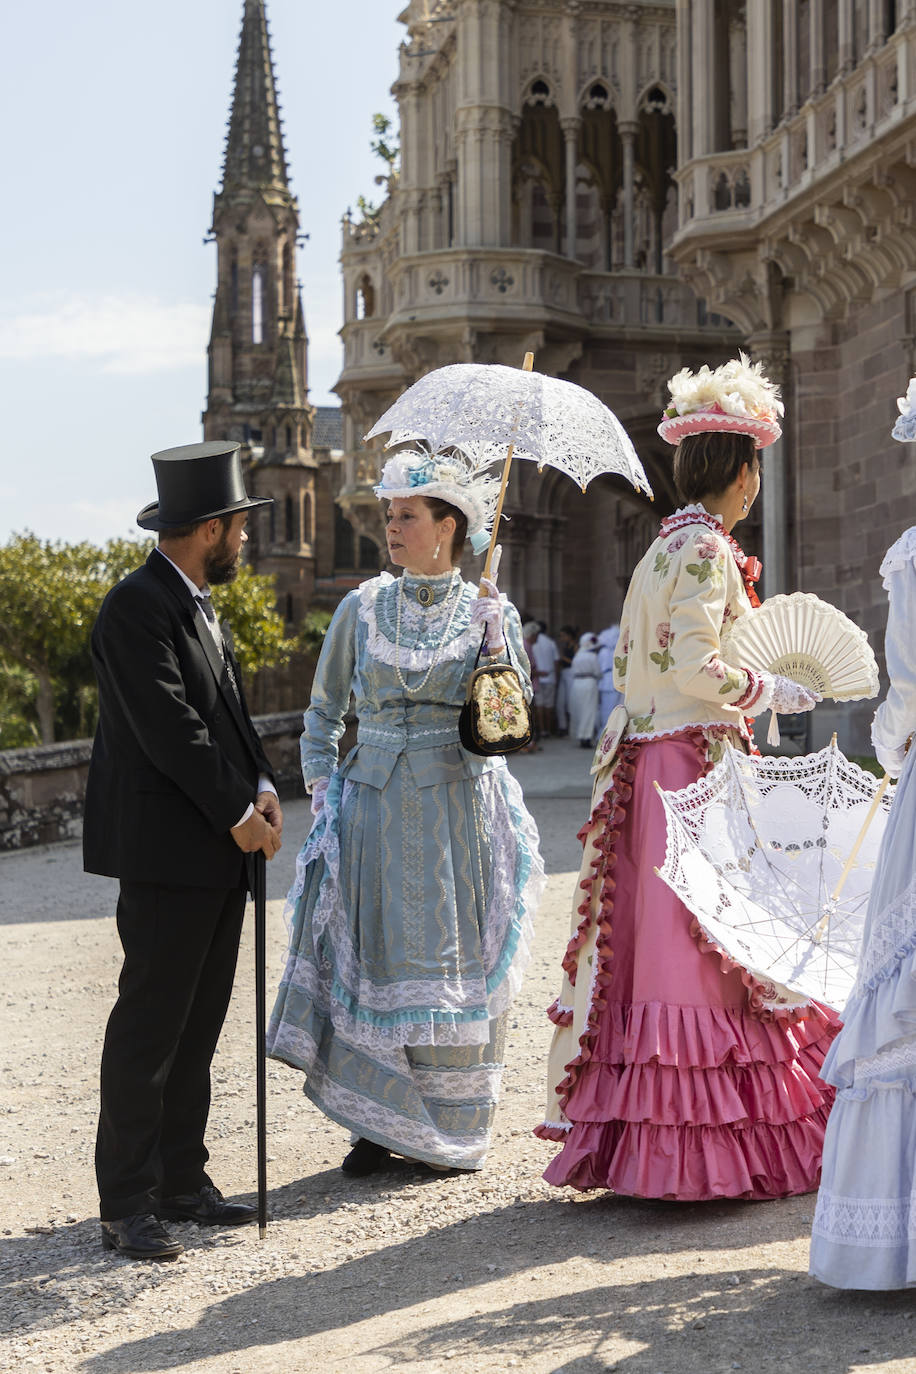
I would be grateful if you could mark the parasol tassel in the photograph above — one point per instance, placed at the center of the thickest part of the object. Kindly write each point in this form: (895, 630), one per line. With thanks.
(773, 730)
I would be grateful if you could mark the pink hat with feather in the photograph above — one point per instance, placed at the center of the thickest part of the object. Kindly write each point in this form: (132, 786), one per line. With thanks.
(735, 398)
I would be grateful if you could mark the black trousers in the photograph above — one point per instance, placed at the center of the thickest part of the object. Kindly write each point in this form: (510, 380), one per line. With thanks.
(180, 951)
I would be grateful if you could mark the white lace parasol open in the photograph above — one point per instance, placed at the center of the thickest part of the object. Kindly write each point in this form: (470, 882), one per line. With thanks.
(806, 639)
(481, 408)
(756, 850)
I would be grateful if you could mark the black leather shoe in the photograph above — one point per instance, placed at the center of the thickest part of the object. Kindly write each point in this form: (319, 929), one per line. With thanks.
(140, 1237)
(365, 1158)
(207, 1208)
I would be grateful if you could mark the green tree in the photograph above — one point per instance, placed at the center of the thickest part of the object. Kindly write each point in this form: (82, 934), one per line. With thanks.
(389, 152)
(50, 594)
(249, 606)
(18, 690)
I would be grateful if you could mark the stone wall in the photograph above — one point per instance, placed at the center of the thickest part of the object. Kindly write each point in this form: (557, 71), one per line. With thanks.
(42, 789)
(856, 486)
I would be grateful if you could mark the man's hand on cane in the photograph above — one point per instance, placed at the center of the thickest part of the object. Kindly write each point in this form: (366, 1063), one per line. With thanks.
(268, 803)
(256, 834)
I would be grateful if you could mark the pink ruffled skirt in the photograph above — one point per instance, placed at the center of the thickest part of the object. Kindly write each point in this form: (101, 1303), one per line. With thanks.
(680, 1088)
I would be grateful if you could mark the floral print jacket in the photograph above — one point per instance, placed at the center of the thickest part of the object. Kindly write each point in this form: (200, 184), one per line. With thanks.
(683, 594)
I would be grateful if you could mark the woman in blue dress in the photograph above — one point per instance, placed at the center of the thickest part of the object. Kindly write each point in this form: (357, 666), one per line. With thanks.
(864, 1233)
(411, 916)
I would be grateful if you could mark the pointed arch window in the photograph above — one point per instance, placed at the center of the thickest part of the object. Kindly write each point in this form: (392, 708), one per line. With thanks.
(233, 287)
(258, 276)
(365, 297)
(289, 520)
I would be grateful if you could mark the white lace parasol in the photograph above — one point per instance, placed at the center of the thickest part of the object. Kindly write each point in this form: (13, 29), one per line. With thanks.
(481, 408)
(756, 851)
(808, 640)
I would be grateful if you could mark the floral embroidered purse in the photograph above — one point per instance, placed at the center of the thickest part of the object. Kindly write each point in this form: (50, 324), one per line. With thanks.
(495, 718)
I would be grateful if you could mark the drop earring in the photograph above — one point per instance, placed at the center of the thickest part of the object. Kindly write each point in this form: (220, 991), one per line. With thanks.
(436, 554)
(744, 505)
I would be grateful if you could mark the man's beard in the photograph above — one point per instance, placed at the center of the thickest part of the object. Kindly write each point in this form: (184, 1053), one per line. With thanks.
(220, 566)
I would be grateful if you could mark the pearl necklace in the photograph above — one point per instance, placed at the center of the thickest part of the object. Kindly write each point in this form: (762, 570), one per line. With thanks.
(454, 580)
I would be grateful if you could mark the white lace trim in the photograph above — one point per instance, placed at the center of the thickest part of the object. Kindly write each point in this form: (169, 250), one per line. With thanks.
(414, 618)
(504, 908)
(459, 1085)
(898, 555)
(414, 1138)
(891, 936)
(876, 1222)
(899, 1059)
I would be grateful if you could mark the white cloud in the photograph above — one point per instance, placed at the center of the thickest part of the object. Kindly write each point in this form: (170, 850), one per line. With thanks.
(124, 334)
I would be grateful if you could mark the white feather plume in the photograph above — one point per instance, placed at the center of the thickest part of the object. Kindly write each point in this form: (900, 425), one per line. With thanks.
(738, 387)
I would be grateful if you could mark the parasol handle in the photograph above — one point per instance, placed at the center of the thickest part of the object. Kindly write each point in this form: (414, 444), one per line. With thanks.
(876, 802)
(527, 366)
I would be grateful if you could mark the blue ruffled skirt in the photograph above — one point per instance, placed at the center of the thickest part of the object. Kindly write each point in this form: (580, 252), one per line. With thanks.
(410, 928)
(864, 1233)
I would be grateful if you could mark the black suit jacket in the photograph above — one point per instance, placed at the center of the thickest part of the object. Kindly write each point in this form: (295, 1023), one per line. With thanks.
(176, 759)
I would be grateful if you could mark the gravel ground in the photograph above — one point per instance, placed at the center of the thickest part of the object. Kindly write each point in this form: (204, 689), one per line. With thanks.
(407, 1270)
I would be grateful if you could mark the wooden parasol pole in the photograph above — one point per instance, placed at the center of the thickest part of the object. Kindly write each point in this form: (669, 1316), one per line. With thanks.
(527, 366)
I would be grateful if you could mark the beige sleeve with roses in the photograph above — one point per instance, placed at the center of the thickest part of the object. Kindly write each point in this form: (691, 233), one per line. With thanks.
(705, 579)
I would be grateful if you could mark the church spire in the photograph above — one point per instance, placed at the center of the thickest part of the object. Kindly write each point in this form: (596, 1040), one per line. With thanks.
(255, 156)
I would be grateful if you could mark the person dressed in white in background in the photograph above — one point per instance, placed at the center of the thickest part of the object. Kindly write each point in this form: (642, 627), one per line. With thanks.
(583, 697)
(544, 663)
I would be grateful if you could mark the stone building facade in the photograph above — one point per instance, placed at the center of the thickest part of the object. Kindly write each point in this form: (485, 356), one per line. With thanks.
(533, 207)
(796, 220)
(626, 188)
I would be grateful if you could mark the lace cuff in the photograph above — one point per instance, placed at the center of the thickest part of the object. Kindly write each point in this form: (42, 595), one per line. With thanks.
(898, 555)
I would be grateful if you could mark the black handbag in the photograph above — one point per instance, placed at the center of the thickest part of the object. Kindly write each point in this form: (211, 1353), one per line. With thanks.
(495, 717)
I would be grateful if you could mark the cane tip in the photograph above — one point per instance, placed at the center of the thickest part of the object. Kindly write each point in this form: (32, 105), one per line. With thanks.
(262, 1233)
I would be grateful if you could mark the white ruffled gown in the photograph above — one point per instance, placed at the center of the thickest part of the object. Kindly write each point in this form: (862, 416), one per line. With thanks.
(864, 1233)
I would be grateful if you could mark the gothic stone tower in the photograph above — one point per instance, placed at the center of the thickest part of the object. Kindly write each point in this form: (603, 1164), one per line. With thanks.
(258, 389)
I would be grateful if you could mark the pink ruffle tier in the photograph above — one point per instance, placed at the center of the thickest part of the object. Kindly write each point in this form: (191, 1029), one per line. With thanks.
(683, 1087)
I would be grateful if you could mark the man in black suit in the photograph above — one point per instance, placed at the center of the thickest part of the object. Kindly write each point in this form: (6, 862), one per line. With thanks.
(179, 792)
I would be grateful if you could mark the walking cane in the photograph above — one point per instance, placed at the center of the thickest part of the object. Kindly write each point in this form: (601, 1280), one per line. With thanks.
(260, 993)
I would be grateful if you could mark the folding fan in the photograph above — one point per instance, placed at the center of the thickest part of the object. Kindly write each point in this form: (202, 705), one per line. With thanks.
(808, 640)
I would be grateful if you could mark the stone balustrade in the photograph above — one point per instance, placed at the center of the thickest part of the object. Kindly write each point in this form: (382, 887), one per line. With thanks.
(807, 147)
(518, 285)
(42, 788)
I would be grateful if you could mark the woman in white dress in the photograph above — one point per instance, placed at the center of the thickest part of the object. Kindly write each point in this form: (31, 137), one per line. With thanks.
(864, 1233)
(583, 692)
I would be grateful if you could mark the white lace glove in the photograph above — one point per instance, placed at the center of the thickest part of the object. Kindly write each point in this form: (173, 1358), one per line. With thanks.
(488, 611)
(891, 760)
(783, 695)
(319, 792)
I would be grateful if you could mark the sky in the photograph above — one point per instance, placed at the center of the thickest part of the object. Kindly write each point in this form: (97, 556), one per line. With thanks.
(114, 122)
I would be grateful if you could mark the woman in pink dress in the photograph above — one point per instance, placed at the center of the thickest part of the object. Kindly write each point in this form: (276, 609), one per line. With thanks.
(673, 1072)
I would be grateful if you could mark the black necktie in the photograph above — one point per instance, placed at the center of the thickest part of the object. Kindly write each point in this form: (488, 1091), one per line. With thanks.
(206, 605)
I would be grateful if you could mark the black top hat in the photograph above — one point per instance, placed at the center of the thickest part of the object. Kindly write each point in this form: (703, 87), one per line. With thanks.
(197, 482)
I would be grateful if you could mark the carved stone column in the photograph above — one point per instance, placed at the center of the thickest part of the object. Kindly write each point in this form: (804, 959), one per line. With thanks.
(773, 351)
(570, 127)
(790, 99)
(845, 54)
(737, 57)
(818, 71)
(628, 133)
(761, 44)
(705, 76)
